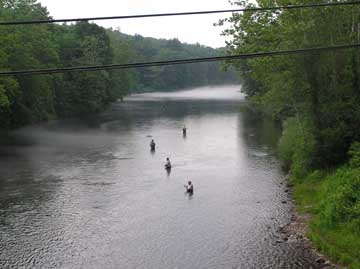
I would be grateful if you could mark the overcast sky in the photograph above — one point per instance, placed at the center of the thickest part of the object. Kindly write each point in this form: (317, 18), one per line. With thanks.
(189, 29)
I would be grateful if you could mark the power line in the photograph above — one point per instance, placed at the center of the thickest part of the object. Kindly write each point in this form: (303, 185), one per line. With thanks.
(289, 7)
(174, 62)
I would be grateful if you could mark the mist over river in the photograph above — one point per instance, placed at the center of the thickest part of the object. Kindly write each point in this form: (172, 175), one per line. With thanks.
(89, 193)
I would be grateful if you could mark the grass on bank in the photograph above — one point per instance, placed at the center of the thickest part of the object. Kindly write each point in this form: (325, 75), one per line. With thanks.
(333, 200)
(331, 197)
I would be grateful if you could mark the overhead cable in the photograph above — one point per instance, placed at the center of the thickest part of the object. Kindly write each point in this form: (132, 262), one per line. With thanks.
(174, 62)
(252, 9)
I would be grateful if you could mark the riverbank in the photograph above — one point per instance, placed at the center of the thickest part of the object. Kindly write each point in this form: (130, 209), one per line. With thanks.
(327, 202)
(297, 231)
(318, 198)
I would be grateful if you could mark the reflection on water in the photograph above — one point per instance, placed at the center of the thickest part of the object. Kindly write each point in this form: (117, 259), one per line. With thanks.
(90, 194)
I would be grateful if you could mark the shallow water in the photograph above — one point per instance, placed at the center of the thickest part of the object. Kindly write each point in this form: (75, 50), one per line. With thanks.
(89, 193)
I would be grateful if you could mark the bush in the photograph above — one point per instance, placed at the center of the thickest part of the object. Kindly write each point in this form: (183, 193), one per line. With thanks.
(296, 147)
(354, 153)
(341, 201)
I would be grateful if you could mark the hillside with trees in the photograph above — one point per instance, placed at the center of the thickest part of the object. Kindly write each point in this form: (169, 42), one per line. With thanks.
(316, 97)
(147, 49)
(30, 99)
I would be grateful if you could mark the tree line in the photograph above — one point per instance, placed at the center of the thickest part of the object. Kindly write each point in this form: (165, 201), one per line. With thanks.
(316, 97)
(147, 49)
(29, 99)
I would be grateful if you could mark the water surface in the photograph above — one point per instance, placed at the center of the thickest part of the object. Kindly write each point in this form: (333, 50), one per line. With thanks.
(89, 193)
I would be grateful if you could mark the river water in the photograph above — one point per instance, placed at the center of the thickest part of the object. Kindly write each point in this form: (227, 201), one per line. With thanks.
(89, 193)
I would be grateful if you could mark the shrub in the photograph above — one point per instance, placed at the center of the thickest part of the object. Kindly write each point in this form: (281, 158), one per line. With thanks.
(354, 153)
(341, 201)
(296, 146)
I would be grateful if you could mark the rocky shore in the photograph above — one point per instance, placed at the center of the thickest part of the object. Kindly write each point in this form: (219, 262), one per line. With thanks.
(295, 233)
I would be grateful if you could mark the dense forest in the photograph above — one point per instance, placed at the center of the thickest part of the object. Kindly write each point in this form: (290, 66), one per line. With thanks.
(149, 49)
(316, 97)
(30, 99)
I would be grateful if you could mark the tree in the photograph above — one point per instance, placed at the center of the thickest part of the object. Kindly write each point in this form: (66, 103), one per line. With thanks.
(320, 88)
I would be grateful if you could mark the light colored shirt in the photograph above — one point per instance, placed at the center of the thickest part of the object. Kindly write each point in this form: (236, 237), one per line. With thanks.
(190, 187)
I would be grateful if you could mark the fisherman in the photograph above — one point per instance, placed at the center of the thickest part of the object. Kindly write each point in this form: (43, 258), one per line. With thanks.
(189, 188)
(184, 130)
(152, 144)
(168, 163)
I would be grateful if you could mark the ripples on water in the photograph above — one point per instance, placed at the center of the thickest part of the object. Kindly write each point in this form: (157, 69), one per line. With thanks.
(89, 193)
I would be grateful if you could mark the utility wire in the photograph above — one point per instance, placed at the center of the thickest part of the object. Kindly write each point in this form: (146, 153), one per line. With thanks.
(182, 13)
(174, 62)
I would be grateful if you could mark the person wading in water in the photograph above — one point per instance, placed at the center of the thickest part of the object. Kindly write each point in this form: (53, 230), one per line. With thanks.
(168, 163)
(189, 188)
(152, 145)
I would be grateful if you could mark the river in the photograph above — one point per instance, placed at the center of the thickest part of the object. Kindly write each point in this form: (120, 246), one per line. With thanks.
(89, 193)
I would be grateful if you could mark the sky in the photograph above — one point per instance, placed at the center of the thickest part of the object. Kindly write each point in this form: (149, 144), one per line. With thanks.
(188, 29)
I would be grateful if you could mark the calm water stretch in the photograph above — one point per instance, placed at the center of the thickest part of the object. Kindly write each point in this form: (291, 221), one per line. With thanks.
(89, 193)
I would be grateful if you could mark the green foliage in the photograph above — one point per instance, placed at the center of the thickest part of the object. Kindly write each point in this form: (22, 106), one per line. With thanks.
(333, 198)
(25, 99)
(338, 243)
(29, 99)
(317, 97)
(85, 92)
(323, 87)
(308, 192)
(296, 146)
(354, 153)
(173, 77)
(342, 204)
